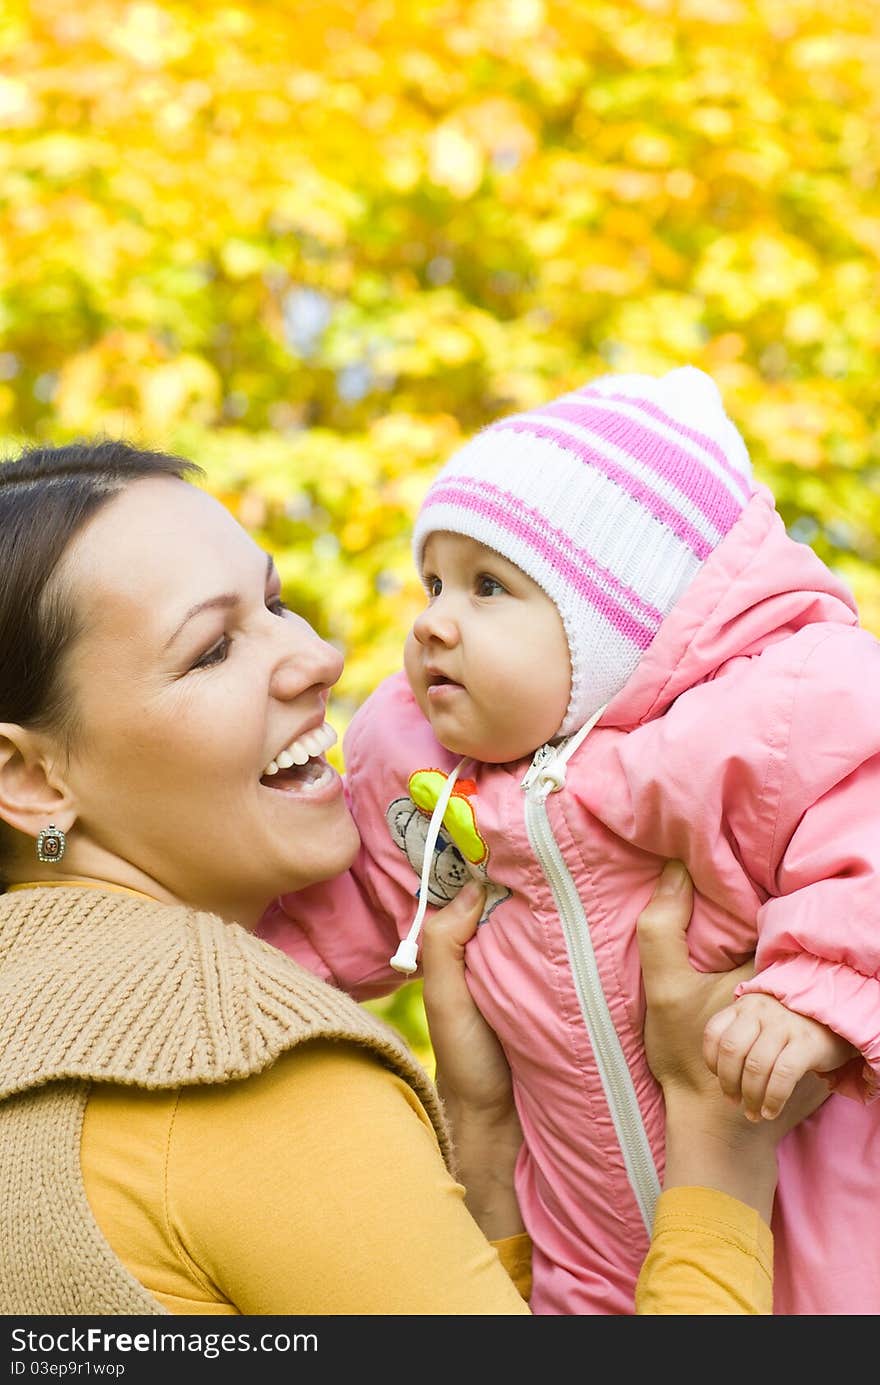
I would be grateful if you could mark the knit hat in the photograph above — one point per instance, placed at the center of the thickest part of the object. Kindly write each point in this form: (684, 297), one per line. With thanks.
(611, 498)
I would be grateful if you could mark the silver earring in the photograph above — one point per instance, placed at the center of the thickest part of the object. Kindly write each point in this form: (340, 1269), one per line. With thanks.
(51, 844)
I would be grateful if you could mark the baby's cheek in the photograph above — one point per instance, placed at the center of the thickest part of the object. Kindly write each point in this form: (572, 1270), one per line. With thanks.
(412, 668)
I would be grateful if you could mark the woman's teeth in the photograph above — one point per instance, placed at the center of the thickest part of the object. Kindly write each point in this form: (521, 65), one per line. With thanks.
(304, 748)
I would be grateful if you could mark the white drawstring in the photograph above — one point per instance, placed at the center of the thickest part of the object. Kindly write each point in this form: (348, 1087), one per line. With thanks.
(405, 958)
(552, 777)
(552, 774)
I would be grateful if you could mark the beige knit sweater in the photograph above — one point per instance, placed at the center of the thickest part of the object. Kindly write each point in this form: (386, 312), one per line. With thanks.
(102, 987)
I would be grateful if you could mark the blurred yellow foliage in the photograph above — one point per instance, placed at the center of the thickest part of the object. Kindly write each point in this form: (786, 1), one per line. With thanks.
(316, 245)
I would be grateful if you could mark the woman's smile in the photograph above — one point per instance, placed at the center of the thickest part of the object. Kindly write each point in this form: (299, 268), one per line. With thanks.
(316, 780)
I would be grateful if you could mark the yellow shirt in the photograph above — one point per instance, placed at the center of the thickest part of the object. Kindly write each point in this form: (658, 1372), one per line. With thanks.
(317, 1187)
(709, 1254)
(314, 1187)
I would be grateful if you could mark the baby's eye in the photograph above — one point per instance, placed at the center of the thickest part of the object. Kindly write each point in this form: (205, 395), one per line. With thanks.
(433, 586)
(489, 586)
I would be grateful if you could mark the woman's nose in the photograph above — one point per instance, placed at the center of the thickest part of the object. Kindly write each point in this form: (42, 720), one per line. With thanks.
(435, 623)
(306, 661)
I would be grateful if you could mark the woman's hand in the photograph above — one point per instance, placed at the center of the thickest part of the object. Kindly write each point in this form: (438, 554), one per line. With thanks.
(473, 1077)
(709, 1141)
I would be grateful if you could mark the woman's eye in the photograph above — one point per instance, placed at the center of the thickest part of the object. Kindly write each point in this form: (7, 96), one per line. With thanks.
(488, 586)
(277, 606)
(215, 655)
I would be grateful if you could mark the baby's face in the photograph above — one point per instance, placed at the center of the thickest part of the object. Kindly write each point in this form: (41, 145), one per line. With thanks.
(487, 659)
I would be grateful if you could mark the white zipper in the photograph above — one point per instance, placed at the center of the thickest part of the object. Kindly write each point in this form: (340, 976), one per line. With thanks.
(546, 775)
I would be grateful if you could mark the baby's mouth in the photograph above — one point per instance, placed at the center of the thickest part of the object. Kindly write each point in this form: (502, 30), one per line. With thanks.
(301, 764)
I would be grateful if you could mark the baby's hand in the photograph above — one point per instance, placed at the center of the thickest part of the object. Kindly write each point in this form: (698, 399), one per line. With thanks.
(759, 1051)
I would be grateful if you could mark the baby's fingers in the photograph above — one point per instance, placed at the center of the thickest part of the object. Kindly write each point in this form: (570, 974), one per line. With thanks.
(727, 1041)
(786, 1073)
(715, 1028)
(768, 1077)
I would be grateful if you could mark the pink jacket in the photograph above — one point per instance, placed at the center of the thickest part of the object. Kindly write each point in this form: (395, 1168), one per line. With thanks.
(747, 744)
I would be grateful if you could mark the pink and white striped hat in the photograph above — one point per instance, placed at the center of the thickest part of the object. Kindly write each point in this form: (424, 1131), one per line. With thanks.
(611, 498)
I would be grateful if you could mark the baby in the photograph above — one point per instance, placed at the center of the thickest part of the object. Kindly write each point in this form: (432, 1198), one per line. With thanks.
(624, 658)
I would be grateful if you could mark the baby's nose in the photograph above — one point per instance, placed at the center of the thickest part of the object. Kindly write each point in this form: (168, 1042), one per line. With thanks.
(435, 623)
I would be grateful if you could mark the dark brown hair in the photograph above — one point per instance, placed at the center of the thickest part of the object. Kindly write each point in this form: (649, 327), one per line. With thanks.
(47, 495)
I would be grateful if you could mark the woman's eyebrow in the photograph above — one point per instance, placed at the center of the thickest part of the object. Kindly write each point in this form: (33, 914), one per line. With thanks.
(222, 601)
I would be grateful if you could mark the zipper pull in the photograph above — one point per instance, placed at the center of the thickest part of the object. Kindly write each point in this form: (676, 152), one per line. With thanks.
(541, 758)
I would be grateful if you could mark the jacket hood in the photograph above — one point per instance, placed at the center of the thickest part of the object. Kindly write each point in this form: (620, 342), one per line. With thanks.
(758, 586)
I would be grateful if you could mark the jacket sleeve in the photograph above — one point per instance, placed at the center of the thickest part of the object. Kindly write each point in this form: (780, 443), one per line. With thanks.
(337, 932)
(346, 930)
(819, 931)
(769, 791)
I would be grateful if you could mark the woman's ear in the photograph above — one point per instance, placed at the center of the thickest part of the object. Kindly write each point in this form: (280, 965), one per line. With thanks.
(32, 793)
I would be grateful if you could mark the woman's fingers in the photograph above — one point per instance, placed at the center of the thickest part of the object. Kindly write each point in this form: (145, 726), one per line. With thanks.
(471, 1066)
(661, 931)
(472, 1074)
(680, 999)
(444, 937)
(808, 1095)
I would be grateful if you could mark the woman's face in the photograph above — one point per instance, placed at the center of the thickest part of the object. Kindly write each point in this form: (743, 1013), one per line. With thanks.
(188, 680)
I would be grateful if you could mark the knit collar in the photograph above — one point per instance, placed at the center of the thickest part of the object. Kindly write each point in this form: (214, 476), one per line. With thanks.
(104, 885)
(94, 985)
